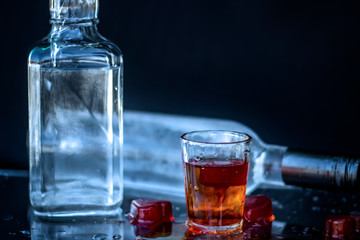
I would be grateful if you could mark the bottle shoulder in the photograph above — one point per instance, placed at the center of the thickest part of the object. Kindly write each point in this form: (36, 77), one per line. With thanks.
(99, 49)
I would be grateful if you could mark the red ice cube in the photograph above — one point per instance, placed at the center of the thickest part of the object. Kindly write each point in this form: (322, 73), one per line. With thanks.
(224, 175)
(258, 210)
(357, 222)
(150, 213)
(340, 226)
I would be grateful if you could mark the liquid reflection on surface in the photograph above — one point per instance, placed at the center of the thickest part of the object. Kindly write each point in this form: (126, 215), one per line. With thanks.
(103, 229)
(163, 230)
(294, 210)
(179, 231)
(300, 214)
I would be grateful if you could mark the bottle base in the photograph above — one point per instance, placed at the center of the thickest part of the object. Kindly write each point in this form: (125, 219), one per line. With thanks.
(78, 213)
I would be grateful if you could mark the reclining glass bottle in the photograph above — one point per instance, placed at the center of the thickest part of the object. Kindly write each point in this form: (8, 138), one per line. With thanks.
(75, 116)
(152, 157)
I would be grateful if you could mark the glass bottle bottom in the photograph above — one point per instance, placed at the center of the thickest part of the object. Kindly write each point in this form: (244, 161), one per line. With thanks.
(79, 211)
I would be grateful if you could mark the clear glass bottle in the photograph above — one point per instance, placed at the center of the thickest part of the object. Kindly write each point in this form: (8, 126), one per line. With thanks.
(152, 157)
(75, 87)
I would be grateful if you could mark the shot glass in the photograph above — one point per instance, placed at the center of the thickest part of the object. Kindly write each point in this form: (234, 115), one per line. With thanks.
(216, 168)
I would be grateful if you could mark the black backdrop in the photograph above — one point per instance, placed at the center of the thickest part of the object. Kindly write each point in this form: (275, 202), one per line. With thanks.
(287, 69)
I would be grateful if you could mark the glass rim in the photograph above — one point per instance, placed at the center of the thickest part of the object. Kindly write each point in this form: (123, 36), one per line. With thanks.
(247, 140)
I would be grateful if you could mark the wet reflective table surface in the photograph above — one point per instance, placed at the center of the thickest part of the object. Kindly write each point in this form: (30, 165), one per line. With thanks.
(300, 214)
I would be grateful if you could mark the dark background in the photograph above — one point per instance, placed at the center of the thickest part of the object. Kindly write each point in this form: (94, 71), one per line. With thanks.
(287, 69)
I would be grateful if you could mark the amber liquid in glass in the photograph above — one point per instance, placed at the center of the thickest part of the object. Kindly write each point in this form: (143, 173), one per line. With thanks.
(215, 192)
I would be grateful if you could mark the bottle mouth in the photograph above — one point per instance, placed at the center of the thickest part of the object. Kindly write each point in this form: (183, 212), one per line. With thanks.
(73, 10)
(216, 137)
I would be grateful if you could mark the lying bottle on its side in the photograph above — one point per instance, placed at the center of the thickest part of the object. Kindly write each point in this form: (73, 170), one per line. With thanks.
(152, 156)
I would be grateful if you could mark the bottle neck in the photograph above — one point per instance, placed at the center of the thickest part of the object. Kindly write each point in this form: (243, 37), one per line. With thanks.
(74, 31)
(324, 171)
(73, 11)
(73, 27)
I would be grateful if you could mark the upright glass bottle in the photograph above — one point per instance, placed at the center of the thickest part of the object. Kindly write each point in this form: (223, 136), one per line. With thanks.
(75, 87)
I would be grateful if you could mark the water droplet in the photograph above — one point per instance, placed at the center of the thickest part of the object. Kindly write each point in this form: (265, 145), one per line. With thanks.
(115, 101)
(344, 199)
(315, 208)
(8, 218)
(117, 236)
(315, 198)
(26, 233)
(116, 88)
(355, 213)
(99, 236)
(215, 154)
(196, 188)
(48, 84)
(197, 158)
(202, 154)
(39, 236)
